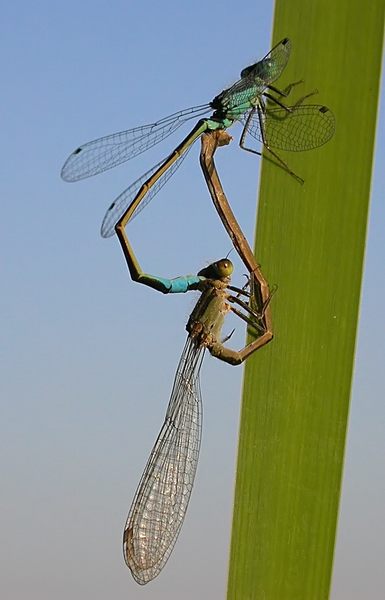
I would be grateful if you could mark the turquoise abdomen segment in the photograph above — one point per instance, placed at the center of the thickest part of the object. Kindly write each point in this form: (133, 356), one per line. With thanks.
(184, 284)
(180, 284)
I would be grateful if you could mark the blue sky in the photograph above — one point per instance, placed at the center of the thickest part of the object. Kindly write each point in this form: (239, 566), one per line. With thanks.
(79, 412)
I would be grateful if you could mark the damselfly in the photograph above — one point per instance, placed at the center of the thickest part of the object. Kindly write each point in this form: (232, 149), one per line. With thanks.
(160, 503)
(249, 101)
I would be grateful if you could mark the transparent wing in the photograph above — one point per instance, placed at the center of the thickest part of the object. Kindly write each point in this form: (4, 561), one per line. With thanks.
(306, 127)
(161, 500)
(112, 150)
(265, 71)
(122, 202)
(256, 77)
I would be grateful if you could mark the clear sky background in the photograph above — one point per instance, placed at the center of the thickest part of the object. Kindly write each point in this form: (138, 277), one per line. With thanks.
(87, 357)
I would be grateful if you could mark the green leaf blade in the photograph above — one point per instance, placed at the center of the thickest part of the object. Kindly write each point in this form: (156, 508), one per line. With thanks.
(310, 242)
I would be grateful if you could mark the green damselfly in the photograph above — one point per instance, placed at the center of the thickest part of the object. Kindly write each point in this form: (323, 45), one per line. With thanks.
(249, 101)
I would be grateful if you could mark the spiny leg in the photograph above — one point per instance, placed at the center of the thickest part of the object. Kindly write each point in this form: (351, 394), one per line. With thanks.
(260, 321)
(236, 357)
(240, 291)
(263, 110)
(284, 93)
(256, 314)
(281, 163)
(288, 109)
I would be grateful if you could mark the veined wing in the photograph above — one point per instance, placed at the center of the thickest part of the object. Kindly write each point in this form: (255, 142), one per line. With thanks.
(112, 150)
(308, 126)
(256, 77)
(265, 71)
(161, 500)
(123, 201)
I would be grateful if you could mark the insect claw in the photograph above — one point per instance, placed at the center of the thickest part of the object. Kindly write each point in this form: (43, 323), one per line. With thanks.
(225, 339)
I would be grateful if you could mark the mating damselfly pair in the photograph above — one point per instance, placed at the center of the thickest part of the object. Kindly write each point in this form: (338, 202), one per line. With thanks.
(161, 500)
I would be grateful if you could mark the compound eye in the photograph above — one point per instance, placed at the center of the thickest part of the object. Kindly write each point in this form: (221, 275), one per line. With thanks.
(224, 267)
(219, 270)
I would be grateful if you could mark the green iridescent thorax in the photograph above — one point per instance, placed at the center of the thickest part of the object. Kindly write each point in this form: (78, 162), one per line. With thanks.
(230, 105)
